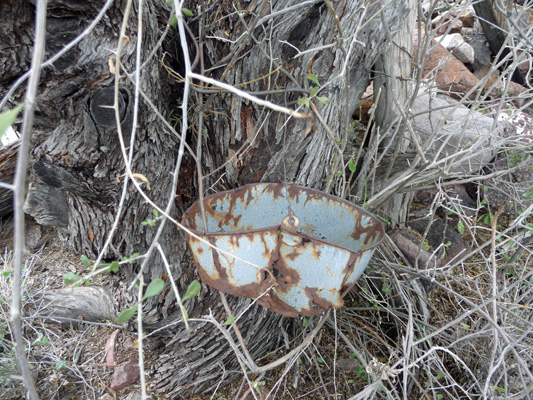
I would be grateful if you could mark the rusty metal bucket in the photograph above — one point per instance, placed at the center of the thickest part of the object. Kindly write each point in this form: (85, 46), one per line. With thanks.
(297, 249)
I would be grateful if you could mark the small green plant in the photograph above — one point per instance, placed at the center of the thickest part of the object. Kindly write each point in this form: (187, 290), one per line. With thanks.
(154, 288)
(74, 279)
(7, 118)
(486, 218)
(460, 227)
(445, 247)
(385, 288)
(151, 222)
(307, 100)
(61, 363)
(257, 386)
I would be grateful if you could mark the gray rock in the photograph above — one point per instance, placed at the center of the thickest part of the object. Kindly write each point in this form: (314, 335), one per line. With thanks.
(451, 243)
(514, 189)
(458, 46)
(348, 364)
(463, 138)
(482, 52)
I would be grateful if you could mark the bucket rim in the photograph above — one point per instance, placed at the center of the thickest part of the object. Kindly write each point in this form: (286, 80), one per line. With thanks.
(279, 227)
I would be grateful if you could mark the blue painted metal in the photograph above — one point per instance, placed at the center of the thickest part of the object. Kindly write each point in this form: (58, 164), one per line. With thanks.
(298, 249)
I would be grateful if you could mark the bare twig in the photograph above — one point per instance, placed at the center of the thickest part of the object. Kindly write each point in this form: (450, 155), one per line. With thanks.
(19, 189)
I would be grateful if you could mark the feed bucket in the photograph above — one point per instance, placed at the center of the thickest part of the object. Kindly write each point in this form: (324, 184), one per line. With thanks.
(296, 249)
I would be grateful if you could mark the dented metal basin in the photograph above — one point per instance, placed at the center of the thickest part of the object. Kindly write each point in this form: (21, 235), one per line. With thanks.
(297, 249)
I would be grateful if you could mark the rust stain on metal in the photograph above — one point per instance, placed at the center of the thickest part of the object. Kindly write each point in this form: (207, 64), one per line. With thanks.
(305, 249)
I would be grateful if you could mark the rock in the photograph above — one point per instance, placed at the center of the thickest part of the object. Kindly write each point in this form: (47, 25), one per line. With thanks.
(514, 189)
(495, 84)
(446, 25)
(449, 73)
(425, 196)
(466, 135)
(468, 17)
(482, 54)
(452, 246)
(463, 200)
(409, 245)
(366, 102)
(33, 233)
(348, 364)
(458, 46)
(460, 200)
(125, 374)
(520, 123)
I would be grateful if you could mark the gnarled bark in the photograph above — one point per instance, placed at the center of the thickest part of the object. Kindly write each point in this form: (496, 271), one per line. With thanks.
(77, 162)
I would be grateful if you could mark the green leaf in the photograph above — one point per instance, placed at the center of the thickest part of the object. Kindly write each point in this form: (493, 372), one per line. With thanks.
(351, 166)
(499, 389)
(127, 314)
(193, 290)
(465, 326)
(440, 375)
(323, 100)
(313, 78)
(230, 320)
(114, 266)
(70, 277)
(7, 118)
(352, 355)
(156, 213)
(257, 384)
(320, 360)
(173, 20)
(314, 90)
(6, 274)
(305, 322)
(460, 226)
(154, 288)
(60, 364)
(85, 261)
(304, 100)
(130, 259)
(187, 12)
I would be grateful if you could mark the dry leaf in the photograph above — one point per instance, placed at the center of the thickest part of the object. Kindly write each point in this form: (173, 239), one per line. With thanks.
(109, 349)
(142, 178)
(111, 66)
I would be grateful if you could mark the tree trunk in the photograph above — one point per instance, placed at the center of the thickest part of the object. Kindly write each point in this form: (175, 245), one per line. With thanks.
(77, 163)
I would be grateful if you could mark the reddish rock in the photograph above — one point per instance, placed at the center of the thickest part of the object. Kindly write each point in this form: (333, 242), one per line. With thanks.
(366, 102)
(442, 24)
(125, 374)
(451, 243)
(410, 248)
(450, 73)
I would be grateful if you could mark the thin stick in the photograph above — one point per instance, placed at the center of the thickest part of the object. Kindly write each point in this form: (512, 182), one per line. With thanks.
(237, 331)
(18, 195)
(248, 96)
(144, 395)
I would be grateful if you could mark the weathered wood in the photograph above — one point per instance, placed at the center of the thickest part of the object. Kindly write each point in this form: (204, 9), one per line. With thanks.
(87, 303)
(301, 151)
(8, 161)
(76, 151)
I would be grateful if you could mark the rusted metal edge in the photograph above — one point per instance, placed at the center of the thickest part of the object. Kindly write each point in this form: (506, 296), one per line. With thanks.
(196, 205)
